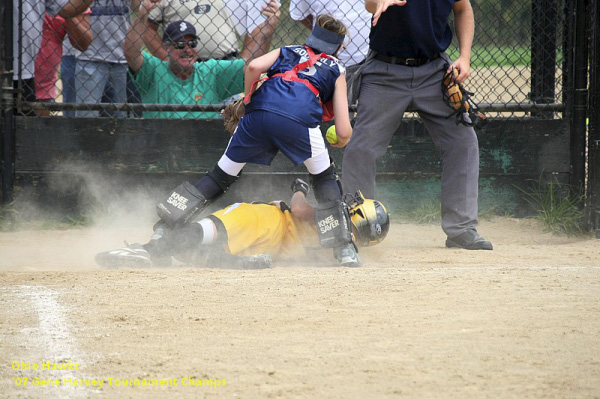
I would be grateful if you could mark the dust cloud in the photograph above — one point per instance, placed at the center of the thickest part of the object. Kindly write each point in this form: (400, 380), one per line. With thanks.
(105, 210)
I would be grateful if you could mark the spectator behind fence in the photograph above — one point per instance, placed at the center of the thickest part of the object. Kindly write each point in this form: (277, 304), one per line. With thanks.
(31, 22)
(218, 24)
(352, 13)
(67, 75)
(180, 79)
(102, 68)
(48, 60)
(69, 62)
(408, 42)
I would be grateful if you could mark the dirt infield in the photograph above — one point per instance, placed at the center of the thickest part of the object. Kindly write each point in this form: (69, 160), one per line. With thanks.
(418, 320)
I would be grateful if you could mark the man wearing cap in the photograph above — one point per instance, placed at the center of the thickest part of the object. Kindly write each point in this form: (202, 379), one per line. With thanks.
(180, 79)
(221, 25)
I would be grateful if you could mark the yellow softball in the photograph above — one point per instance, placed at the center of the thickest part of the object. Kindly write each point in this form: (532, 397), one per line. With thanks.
(331, 135)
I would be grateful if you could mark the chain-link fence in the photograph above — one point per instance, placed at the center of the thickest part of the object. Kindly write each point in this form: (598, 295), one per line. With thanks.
(83, 65)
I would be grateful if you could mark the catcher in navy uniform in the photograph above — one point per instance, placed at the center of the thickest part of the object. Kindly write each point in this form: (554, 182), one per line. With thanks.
(304, 84)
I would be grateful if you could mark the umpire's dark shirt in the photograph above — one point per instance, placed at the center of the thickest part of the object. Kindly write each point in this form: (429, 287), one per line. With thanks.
(419, 29)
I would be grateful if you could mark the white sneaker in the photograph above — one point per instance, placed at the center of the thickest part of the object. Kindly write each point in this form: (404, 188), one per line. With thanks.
(133, 255)
(347, 256)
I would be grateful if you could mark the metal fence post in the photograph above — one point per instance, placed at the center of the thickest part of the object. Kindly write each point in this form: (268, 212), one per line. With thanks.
(6, 103)
(578, 100)
(593, 193)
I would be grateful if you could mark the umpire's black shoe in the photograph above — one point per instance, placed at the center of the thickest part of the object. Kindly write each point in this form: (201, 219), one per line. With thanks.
(470, 239)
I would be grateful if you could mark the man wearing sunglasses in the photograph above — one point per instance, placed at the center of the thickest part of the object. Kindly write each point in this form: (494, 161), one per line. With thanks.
(222, 25)
(180, 79)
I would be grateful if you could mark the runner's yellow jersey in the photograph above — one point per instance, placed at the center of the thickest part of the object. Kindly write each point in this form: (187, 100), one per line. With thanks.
(265, 228)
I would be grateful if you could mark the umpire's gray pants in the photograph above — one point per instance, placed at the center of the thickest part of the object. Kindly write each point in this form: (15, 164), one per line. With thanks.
(386, 92)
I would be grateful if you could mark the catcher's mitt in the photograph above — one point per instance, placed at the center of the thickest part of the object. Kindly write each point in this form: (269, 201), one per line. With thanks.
(232, 114)
(459, 99)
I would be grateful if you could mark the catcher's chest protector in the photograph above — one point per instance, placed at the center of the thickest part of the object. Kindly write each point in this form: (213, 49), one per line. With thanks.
(292, 75)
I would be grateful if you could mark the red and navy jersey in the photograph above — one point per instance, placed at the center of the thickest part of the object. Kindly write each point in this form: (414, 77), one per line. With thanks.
(292, 99)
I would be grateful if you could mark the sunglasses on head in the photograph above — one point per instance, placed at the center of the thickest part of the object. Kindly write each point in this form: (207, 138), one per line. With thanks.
(181, 44)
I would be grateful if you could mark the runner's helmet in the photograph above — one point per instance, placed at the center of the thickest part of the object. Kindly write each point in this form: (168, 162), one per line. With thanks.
(370, 219)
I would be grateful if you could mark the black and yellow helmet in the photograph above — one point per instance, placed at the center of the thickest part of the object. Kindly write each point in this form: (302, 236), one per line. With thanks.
(370, 219)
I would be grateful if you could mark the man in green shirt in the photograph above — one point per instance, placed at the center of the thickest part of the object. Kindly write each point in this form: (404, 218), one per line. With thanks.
(182, 80)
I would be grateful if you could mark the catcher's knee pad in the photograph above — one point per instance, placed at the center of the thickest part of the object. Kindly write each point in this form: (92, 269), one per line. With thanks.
(222, 179)
(327, 185)
(181, 205)
(333, 224)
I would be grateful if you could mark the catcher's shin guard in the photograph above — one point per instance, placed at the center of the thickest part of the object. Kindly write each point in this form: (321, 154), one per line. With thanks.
(335, 231)
(215, 183)
(181, 205)
(333, 224)
(327, 185)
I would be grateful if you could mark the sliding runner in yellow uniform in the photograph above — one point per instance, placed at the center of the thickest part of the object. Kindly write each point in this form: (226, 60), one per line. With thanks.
(249, 235)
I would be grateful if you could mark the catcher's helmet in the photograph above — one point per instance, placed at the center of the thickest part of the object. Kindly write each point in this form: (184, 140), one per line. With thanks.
(370, 219)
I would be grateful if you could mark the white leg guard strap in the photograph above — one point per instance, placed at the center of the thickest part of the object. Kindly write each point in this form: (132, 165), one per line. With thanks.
(210, 231)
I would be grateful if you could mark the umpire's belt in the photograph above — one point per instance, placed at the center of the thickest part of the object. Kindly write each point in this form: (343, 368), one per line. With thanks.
(411, 62)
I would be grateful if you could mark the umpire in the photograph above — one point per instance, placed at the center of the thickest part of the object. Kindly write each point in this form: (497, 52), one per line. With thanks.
(404, 71)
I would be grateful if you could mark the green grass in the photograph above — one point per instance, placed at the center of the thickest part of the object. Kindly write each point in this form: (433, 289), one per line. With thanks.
(427, 212)
(430, 212)
(8, 217)
(11, 219)
(557, 207)
(491, 56)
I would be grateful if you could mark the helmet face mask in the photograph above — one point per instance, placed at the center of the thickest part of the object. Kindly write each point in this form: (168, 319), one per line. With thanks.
(370, 219)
